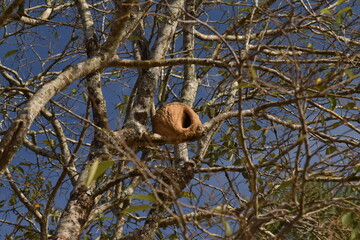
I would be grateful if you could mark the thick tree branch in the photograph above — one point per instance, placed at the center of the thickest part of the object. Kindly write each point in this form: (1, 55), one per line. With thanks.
(80, 204)
(121, 26)
(6, 14)
(14, 137)
(116, 62)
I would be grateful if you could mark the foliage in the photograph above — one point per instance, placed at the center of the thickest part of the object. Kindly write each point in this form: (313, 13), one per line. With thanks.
(276, 86)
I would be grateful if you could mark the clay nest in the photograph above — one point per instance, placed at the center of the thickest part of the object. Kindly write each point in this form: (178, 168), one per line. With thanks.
(176, 121)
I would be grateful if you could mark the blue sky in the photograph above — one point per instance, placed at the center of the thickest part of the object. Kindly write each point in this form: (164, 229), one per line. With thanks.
(31, 59)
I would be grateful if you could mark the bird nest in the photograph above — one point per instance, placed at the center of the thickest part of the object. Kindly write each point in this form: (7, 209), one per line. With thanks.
(176, 121)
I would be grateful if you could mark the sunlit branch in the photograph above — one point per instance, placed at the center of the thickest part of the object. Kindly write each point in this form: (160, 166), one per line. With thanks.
(22, 197)
(8, 11)
(117, 62)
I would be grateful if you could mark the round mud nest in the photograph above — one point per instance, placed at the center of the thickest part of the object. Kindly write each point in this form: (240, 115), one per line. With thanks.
(176, 121)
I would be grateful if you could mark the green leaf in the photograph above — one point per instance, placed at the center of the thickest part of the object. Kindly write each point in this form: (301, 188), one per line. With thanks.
(228, 231)
(210, 111)
(121, 106)
(56, 34)
(347, 219)
(239, 161)
(207, 68)
(332, 101)
(253, 73)
(326, 11)
(19, 170)
(174, 236)
(357, 169)
(330, 150)
(355, 234)
(3, 7)
(135, 208)
(206, 177)
(339, 19)
(74, 38)
(323, 120)
(339, 15)
(301, 138)
(349, 73)
(340, 2)
(246, 85)
(150, 197)
(285, 184)
(134, 38)
(246, 175)
(50, 142)
(92, 172)
(350, 105)
(209, 44)
(189, 195)
(11, 52)
(255, 127)
(84, 97)
(336, 125)
(97, 169)
(343, 10)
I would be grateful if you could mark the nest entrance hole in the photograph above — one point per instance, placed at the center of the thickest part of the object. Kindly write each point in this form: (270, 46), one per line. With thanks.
(186, 120)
